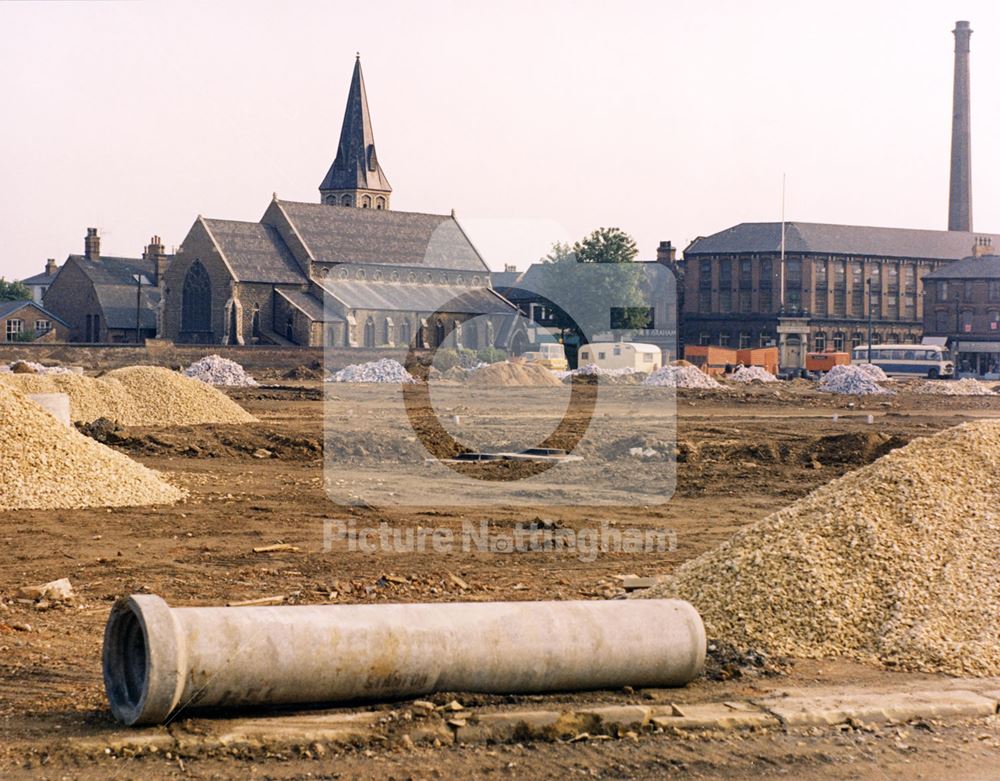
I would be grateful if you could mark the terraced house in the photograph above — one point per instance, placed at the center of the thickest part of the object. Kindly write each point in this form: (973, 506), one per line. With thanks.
(346, 271)
(811, 286)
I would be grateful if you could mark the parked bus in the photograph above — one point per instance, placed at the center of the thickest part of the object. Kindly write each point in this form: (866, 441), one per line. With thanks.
(908, 360)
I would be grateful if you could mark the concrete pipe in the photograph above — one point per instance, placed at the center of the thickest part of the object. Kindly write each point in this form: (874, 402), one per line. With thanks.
(158, 658)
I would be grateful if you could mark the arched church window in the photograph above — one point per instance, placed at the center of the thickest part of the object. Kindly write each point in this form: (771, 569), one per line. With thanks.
(366, 202)
(331, 199)
(360, 273)
(196, 300)
(380, 202)
(346, 200)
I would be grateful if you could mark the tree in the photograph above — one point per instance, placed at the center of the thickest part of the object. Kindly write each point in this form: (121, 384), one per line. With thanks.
(13, 291)
(595, 286)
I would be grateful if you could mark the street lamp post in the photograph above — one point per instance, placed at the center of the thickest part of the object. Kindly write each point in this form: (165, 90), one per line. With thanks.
(869, 320)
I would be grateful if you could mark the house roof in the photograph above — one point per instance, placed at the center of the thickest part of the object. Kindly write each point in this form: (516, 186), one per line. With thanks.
(7, 308)
(343, 234)
(310, 306)
(819, 238)
(39, 279)
(115, 289)
(984, 267)
(416, 297)
(356, 166)
(255, 252)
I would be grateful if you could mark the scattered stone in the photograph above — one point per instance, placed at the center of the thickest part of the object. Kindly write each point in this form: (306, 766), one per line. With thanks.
(56, 591)
(752, 374)
(216, 370)
(855, 380)
(384, 370)
(682, 377)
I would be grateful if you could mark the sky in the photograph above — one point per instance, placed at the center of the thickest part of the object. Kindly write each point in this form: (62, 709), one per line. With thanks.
(535, 121)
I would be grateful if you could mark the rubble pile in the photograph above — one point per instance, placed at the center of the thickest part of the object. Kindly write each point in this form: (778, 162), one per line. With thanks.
(681, 377)
(873, 371)
(752, 374)
(59, 468)
(894, 563)
(31, 367)
(964, 387)
(852, 380)
(384, 370)
(216, 370)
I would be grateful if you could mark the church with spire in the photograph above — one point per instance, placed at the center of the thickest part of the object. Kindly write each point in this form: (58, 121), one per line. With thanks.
(346, 272)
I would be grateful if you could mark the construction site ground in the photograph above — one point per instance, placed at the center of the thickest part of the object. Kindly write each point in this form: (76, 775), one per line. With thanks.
(741, 454)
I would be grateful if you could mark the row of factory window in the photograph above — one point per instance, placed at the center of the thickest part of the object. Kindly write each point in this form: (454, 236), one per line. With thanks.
(964, 321)
(837, 341)
(947, 291)
(794, 301)
(15, 327)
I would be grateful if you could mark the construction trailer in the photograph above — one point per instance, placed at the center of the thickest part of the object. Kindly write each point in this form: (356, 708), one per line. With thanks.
(823, 362)
(714, 361)
(622, 355)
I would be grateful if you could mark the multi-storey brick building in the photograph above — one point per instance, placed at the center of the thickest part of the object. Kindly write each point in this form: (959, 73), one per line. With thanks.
(962, 306)
(808, 289)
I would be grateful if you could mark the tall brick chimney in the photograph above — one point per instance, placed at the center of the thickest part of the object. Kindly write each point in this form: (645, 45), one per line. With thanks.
(155, 254)
(960, 195)
(92, 245)
(50, 267)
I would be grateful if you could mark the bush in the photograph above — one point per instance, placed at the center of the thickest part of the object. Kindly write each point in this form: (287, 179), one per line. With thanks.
(445, 359)
(26, 336)
(491, 355)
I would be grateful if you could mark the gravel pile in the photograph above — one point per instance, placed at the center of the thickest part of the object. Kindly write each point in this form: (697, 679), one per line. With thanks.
(752, 374)
(136, 396)
(872, 371)
(965, 387)
(384, 370)
(507, 374)
(895, 563)
(60, 468)
(855, 380)
(216, 370)
(160, 397)
(681, 377)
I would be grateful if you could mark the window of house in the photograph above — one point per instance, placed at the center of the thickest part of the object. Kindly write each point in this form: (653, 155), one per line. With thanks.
(993, 317)
(838, 341)
(704, 338)
(764, 339)
(910, 278)
(14, 329)
(705, 274)
(909, 306)
(994, 290)
(745, 338)
(966, 321)
(892, 278)
(601, 355)
(725, 285)
(967, 291)
(892, 306)
(793, 283)
(746, 274)
(942, 291)
(723, 339)
(893, 338)
(366, 202)
(765, 274)
(819, 341)
(941, 321)
(43, 326)
(819, 274)
(704, 300)
(744, 301)
(617, 350)
(856, 339)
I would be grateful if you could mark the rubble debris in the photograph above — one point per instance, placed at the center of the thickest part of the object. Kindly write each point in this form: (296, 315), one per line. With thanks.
(55, 591)
(682, 377)
(216, 370)
(752, 374)
(384, 370)
(964, 387)
(894, 563)
(854, 380)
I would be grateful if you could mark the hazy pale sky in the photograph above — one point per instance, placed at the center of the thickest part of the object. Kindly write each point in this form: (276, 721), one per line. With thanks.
(536, 121)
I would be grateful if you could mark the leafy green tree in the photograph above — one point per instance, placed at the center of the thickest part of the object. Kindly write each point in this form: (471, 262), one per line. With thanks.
(13, 291)
(606, 245)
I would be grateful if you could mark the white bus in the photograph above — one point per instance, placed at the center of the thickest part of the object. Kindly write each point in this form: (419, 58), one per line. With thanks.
(907, 360)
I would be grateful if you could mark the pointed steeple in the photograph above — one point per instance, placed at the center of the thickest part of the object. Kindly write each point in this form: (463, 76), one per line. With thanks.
(356, 178)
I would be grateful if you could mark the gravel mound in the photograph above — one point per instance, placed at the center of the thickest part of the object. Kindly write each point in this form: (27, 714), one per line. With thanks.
(136, 396)
(506, 374)
(855, 380)
(752, 374)
(894, 563)
(216, 370)
(30, 367)
(681, 377)
(965, 387)
(60, 468)
(384, 370)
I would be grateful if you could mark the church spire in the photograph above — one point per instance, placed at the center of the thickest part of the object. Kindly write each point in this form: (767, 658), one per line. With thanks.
(356, 178)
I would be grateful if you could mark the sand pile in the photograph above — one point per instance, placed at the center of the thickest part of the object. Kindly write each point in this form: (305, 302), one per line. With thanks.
(508, 374)
(681, 377)
(216, 370)
(965, 387)
(856, 380)
(895, 563)
(53, 467)
(752, 374)
(384, 370)
(136, 396)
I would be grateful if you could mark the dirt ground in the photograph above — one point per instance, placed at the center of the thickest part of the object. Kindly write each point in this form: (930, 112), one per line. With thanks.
(740, 455)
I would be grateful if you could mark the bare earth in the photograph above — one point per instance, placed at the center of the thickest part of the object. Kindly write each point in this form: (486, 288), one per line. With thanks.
(740, 456)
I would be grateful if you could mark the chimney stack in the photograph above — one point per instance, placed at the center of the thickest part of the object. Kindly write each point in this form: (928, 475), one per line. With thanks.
(157, 256)
(92, 245)
(983, 246)
(960, 194)
(50, 267)
(665, 253)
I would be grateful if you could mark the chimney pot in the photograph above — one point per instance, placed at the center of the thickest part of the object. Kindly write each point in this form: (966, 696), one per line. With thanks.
(665, 252)
(50, 267)
(92, 245)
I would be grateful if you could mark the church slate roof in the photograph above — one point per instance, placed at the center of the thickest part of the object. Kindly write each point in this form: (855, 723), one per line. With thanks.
(984, 267)
(416, 297)
(115, 289)
(310, 306)
(824, 239)
(255, 252)
(356, 166)
(342, 234)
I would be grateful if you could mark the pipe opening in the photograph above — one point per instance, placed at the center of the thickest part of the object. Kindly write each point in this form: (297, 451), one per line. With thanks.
(126, 660)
